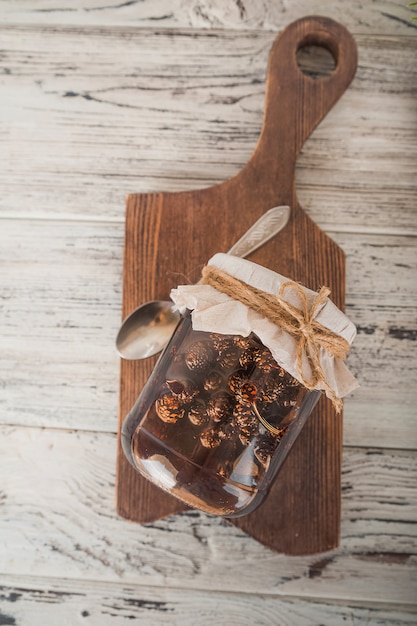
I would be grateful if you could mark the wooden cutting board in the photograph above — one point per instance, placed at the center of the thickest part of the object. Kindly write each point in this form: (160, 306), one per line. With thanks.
(170, 236)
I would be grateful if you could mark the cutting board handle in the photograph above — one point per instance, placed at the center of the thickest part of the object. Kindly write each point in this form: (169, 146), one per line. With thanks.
(295, 102)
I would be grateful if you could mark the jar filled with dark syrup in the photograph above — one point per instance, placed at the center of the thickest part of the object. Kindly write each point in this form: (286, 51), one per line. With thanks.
(215, 420)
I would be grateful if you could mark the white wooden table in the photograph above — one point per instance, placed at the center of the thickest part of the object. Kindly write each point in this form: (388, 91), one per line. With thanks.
(99, 99)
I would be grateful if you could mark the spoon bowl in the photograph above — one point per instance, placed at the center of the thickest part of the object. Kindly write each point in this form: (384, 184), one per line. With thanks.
(147, 330)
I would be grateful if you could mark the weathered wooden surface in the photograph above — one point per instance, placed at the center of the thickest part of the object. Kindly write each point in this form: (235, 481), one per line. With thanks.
(106, 112)
(79, 130)
(40, 601)
(58, 520)
(384, 16)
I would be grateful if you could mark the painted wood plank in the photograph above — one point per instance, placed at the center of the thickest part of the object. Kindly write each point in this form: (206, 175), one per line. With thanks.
(91, 114)
(60, 310)
(381, 298)
(383, 16)
(30, 601)
(57, 516)
(60, 304)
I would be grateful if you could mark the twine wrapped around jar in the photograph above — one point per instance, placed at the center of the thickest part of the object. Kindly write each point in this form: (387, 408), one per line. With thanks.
(306, 333)
(299, 323)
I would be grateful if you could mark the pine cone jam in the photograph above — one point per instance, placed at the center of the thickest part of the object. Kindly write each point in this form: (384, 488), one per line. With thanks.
(215, 420)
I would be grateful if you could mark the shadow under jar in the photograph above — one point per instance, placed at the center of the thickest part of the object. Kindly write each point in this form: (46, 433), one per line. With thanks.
(215, 420)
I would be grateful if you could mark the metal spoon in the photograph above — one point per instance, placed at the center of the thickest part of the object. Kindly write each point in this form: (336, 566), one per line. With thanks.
(148, 329)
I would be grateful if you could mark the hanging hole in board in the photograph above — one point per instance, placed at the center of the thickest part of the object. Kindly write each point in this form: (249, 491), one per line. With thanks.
(315, 61)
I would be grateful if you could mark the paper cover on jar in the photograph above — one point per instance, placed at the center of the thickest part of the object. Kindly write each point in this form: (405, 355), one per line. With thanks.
(214, 311)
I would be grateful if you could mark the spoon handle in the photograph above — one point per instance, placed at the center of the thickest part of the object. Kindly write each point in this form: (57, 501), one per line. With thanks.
(268, 225)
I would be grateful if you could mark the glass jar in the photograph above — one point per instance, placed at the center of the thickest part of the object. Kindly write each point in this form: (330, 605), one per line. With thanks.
(215, 421)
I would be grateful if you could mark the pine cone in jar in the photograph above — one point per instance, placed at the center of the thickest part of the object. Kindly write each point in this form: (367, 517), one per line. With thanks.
(169, 408)
(227, 353)
(265, 447)
(244, 437)
(184, 390)
(221, 342)
(247, 423)
(247, 393)
(271, 388)
(220, 406)
(246, 358)
(286, 402)
(225, 469)
(211, 438)
(213, 381)
(228, 357)
(264, 360)
(244, 343)
(197, 413)
(226, 429)
(236, 380)
(246, 418)
(289, 396)
(199, 356)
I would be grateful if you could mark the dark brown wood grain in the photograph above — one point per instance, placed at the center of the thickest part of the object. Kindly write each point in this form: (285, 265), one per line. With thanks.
(170, 236)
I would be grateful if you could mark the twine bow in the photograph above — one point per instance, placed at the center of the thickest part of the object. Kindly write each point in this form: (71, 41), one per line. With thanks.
(300, 323)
